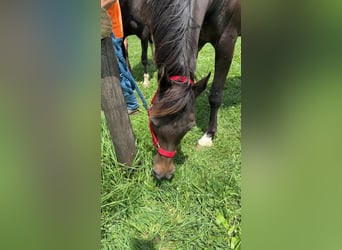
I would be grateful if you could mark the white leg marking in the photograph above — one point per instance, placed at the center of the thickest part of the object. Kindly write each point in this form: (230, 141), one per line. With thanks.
(205, 141)
(146, 80)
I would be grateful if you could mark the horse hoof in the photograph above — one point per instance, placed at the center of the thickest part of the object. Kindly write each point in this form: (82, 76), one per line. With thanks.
(205, 141)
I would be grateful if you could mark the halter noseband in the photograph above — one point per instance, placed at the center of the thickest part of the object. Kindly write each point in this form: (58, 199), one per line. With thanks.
(161, 151)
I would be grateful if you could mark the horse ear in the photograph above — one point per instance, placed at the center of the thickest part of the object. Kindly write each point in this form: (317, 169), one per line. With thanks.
(164, 81)
(199, 86)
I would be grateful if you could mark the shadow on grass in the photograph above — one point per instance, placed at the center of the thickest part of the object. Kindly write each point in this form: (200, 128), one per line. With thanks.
(180, 157)
(141, 244)
(138, 70)
(231, 97)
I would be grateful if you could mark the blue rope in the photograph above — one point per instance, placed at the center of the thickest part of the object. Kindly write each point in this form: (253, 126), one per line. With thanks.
(126, 73)
(141, 97)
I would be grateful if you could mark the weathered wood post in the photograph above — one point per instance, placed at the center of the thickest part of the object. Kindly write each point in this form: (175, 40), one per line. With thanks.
(114, 106)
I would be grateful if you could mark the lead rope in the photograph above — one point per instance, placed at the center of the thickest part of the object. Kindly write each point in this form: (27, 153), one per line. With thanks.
(139, 92)
(142, 97)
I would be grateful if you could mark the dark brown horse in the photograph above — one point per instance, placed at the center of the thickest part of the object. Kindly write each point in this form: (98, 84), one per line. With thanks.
(133, 24)
(180, 28)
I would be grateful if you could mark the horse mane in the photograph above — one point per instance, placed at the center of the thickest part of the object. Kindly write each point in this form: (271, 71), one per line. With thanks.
(170, 22)
(173, 100)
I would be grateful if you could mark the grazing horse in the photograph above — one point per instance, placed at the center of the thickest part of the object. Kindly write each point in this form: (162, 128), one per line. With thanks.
(133, 25)
(180, 28)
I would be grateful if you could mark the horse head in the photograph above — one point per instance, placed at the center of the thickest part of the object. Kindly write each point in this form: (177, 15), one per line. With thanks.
(171, 117)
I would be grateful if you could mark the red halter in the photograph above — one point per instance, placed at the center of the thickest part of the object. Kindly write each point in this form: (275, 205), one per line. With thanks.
(161, 151)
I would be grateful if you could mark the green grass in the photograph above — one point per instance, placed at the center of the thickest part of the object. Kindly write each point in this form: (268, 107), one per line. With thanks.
(200, 207)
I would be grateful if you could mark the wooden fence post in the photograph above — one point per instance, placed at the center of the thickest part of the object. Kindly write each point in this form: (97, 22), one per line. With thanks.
(114, 106)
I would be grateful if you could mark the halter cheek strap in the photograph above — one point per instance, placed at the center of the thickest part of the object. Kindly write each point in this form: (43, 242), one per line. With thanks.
(161, 151)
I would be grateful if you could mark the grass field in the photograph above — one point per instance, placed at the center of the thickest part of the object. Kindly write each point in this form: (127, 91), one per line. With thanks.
(200, 207)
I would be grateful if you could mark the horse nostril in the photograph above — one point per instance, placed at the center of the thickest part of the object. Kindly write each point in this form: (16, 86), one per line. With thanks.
(169, 177)
(154, 172)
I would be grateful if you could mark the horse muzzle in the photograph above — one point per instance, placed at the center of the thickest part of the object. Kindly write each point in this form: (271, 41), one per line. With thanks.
(163, 168)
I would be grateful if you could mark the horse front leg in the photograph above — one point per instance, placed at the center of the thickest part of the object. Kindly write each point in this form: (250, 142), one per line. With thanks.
(144, 60)
(223, 58)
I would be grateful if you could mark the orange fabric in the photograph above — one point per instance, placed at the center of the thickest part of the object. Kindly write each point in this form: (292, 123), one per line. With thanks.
(115, 14)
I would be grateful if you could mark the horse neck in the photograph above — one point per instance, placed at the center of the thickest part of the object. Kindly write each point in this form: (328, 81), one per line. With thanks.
(175, 36)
